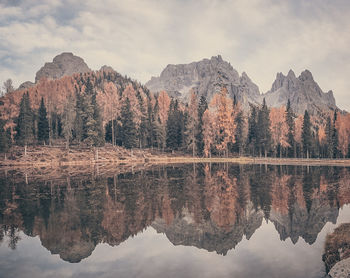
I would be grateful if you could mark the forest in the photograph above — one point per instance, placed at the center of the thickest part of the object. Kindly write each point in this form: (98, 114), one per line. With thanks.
(92, 110)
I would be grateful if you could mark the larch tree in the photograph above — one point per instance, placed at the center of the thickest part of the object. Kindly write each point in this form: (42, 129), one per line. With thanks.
(109, 101)
(291, 130)
(279, 129)
(225, 121)
(343, 128)
(208, 132)
(68, 118)
(163, 111)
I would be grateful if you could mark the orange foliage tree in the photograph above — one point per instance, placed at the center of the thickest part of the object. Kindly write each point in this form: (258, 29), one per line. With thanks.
(343, 126)
(225, 121)
(279, 128)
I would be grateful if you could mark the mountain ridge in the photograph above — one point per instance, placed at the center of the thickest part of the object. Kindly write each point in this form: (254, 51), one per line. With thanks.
(208, 76)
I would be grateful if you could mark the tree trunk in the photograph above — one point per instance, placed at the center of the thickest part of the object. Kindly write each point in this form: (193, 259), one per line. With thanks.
(25, 150)
(113, 133)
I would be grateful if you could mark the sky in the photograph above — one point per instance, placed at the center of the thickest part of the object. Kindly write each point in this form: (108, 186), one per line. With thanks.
(139, 38)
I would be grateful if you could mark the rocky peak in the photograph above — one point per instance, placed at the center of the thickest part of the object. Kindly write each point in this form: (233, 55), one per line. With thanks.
(303, 93)
(106, 68)
(64, 64)
(291, 74)
(306, 75)
(206, 77)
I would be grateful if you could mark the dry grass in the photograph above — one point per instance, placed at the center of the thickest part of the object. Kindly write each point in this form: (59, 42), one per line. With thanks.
(45, 156)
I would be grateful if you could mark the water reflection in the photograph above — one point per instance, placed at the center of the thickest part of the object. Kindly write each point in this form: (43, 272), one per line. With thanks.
(212, 207)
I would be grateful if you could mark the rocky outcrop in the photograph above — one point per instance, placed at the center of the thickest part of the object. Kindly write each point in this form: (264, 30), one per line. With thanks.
(205, 77)
(337, 252)
(341, 269)
(62, 65)
(208, 76)
(26, 85)
(303, 93)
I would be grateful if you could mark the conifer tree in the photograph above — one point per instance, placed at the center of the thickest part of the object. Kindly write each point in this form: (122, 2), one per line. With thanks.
(143, 131)
(291, 131)
(263, 130)
(192, 125)
(5, 137)
(24, 123)
(129, 132)
(78, 122)
(202, 106)
(252, 130)
(172, 127)
(43, 123)
(329, 138)
(149, 124)
(68, 120)
(306, 135)
(335, 137)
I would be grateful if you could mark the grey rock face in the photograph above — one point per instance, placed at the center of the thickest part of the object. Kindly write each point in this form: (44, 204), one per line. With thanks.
(341, 269)
(205, 77)
(63, 64)
(303, 93)
(26, 85)
(208, 76)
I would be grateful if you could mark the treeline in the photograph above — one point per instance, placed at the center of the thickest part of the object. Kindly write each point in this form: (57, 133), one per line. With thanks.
(134, 118)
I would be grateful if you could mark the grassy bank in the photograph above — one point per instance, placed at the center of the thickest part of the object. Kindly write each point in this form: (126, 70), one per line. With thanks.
(45, 156)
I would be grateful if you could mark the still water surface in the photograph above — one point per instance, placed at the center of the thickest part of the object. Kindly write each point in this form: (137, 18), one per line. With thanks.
(219, 220)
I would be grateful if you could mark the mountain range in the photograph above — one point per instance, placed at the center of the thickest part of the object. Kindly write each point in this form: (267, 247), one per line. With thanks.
(207, 77)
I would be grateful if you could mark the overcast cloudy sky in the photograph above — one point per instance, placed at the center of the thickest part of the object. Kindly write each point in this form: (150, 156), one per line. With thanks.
(140, 37)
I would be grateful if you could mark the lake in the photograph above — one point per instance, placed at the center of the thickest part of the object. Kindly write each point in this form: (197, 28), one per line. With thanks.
(191, 220)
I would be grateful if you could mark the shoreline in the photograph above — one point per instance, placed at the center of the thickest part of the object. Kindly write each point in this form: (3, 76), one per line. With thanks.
(51, 157)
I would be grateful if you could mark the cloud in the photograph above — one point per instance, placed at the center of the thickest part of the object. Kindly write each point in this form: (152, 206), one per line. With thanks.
(139, 38)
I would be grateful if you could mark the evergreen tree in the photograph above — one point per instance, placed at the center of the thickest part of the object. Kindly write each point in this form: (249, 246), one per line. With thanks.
(171, 128)
(68, 120)
(335, 137)
(202, 106)
(78, 133)
(24, 122)
(329, 138)
(239, 140)
(306, 135)
(291, 131)
(5, 138)
(129, 132)
(150, 124)
(143, 130)
(43, 123)
(252, 130)
(263, 130)
(88, 117)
